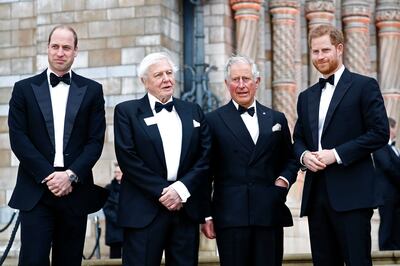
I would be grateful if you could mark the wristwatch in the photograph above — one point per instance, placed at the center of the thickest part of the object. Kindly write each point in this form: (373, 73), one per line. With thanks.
(73, 178)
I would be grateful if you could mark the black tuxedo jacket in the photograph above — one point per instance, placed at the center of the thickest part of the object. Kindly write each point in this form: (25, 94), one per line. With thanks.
(244, 173)
(388, 166)
(355, 125)
(32, 140)
(140, 154)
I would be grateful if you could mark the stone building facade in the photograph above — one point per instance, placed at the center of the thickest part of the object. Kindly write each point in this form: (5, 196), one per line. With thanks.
(114, 35)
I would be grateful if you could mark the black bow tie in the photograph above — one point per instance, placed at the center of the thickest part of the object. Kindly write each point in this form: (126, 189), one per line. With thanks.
(168, 106)
(329, 80)
(243, 110)
(54, 79)
(393, 143)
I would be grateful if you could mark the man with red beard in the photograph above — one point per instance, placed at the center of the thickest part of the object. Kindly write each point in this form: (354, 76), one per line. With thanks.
(341, 121)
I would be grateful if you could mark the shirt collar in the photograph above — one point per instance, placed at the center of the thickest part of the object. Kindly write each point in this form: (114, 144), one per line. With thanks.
(153, 100)
(49, 71)
(338, 75)
(252, 105)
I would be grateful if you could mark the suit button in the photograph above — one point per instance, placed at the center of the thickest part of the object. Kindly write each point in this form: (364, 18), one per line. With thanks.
(250, 184)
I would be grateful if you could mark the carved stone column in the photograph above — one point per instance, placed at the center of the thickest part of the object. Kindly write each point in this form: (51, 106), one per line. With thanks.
(284, 38)
(356, 17)
(388, 24)
(246, 16)
(318, 12)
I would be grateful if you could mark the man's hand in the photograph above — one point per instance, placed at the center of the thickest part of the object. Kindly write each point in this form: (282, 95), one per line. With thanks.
(326, 157)
(59, 184)
(208, 229)
(281, 183)
(170, 199)
(312, 163)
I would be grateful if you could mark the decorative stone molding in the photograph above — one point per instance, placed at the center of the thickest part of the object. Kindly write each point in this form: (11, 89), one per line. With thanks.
(387, 19)
(284, 66)
(247, 14)
(318, 12)
(356, 18)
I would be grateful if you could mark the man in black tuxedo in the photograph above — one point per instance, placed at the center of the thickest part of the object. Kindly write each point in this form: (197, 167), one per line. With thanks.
(162, 146)
(252, 168)
(387, 161)
(341, 121)
(56, 122)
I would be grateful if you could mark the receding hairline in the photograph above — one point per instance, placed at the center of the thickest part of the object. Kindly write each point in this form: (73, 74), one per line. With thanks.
(64, 27)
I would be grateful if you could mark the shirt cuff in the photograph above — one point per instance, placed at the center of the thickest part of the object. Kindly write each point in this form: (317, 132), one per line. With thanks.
(181, 189)
(338, 160)
(208, 218)
(301, 157)
(284, 179)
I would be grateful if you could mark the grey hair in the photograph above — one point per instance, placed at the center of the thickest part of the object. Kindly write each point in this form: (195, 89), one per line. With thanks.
(241, 59)
(151, 59)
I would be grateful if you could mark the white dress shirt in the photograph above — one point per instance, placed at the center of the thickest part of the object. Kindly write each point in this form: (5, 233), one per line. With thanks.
(59, 98)
(396, 151)
(251, 122)
(170, 127)
(325, 100)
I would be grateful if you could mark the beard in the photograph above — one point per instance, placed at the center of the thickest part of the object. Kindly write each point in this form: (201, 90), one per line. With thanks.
(328, 67)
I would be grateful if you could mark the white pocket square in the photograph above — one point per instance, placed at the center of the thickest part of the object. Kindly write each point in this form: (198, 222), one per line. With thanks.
(151, 120)
(195, 123)
(276, 127)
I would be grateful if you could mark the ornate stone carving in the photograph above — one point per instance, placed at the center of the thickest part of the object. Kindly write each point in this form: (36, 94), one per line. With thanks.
(284, 67)
(388, 24)
(356, 17)
(246, 16)
(318, 12)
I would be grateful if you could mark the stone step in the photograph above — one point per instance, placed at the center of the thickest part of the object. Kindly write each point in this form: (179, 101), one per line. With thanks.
(384, 258)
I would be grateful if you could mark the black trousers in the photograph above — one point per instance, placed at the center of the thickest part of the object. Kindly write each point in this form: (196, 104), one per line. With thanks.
(389, 227)
(51, 225)
(337, 237)
(172, 231)
(116, 250)
(250, 246)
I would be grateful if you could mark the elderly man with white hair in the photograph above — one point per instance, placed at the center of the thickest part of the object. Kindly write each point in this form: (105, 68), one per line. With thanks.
(162, 146)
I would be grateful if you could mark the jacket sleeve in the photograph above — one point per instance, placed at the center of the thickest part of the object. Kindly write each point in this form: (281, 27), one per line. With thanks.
(32, 160)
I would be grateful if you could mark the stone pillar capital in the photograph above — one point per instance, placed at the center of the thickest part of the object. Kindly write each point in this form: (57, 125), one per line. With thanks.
(284, 10)
(356, 14)
(387, 16)
(246, 9)
(319, 12)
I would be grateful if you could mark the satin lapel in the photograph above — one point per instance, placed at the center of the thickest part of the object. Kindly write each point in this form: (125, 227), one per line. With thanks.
(265, 129)
(42, 94)
(340, 90)
(152, 131)
(187, 127)
(75, 97)
(234, 122)
(313, 112)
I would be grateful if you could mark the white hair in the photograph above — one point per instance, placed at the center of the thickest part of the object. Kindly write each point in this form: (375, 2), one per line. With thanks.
(151, 59)
(241, 59)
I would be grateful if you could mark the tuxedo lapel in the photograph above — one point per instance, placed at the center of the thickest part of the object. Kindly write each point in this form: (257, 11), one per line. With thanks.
(42, 94)
(75, 98)
(234, 122)
(151, 130)
(313, 112)
(340, 90)
(187, 127)
(265, 129)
